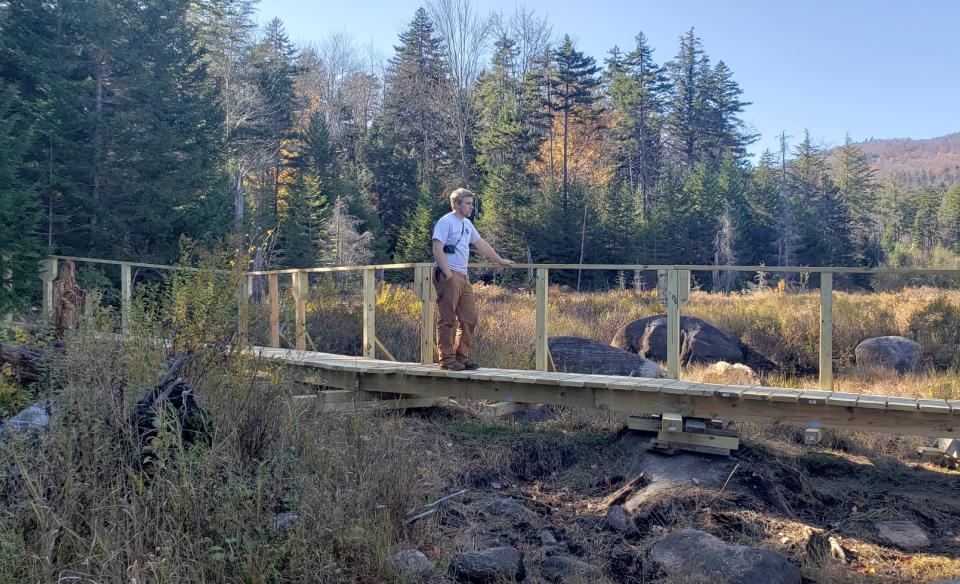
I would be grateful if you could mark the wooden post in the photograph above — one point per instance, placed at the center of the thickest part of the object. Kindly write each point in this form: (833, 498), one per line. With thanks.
(243, 311)
(126, 297)
(300, 309)
(424, 284)
(49, 274)
(826, 331)
(542, 348)
(673, 324)
(273, 285)
(369, 314)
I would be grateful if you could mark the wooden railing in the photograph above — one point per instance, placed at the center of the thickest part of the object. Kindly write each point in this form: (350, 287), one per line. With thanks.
(673, 287)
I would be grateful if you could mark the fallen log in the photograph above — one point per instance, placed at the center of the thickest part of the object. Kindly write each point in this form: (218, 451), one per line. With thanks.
(27, 363)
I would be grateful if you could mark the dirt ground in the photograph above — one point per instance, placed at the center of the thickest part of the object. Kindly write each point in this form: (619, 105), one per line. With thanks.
(561, 467)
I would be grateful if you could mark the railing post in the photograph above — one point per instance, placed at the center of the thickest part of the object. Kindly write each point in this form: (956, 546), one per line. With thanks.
(300, 309)
(673, 324)
(826, 331)
(243, 311)
(369, 314)
(423, 277)
(126, 297)
(273, 285)
(49, 274)
(542, 348)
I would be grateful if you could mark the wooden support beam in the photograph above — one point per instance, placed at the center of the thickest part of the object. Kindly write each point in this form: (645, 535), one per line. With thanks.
(542, 351)
(300, 289)
(369, 314)
(673, 324)
(273, 289)
(383, 349)
(48, 273)
(126, 297)
(243, 312)
(424, 278)
(826, 331)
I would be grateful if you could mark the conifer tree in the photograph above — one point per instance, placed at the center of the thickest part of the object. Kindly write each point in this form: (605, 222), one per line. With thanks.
(19, 207)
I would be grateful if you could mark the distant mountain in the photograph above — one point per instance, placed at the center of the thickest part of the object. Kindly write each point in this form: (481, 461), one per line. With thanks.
(916, 163)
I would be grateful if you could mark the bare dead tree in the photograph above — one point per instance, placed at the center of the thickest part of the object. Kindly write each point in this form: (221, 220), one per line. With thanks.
(464, 33)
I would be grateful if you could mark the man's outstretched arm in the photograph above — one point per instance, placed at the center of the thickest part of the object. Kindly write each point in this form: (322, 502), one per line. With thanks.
(487, 250)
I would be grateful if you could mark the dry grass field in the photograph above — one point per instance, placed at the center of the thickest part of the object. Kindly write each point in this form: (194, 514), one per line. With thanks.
(287, 494)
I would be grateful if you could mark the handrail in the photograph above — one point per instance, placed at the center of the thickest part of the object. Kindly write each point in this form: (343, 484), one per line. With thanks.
(674, 282)
(526, 266)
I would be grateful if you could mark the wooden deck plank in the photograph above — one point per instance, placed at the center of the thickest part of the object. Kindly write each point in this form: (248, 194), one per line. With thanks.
(678, 387)
(876, 402)
(954, 405)
(906, 404)
(939, 406)
(839, 398)
(814, 397)
(780, 394)
(732, 391)
(757, 393)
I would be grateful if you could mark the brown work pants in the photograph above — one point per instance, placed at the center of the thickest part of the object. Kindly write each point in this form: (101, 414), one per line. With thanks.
(458, 316)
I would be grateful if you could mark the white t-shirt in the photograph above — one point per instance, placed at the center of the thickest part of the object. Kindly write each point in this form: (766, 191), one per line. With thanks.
(448, 230)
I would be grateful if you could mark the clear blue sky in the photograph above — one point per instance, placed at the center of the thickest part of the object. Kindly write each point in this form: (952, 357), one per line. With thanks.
(880, 69)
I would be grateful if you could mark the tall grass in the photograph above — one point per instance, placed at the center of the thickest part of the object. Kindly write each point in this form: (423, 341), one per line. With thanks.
(784, 327)
(75, 506)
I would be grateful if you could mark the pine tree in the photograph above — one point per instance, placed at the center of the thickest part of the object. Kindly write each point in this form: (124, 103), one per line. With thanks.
(573, 98)
(506, 144)
(412, 111)
(636, 89)
(856, 190)
(345, 244)
(19, 207)
(950, 218)
(685, 123)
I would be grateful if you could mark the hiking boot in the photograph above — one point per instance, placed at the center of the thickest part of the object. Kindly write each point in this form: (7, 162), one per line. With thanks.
(470, 365)
(453, 366)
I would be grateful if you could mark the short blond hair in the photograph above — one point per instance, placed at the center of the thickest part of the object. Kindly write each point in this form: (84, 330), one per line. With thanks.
(457, 195)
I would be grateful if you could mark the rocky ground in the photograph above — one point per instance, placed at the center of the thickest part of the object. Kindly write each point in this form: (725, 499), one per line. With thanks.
(560, 496)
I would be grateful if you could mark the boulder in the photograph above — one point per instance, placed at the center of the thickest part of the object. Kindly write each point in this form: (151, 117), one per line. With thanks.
(903, 534)
(694, 555)
(730, 374)
(413, 565)
(578, 355)
(619, 520)
(31, 420)
(897, 353)
(507, 507)
(700, 342)
(489, 565)
(563, 568)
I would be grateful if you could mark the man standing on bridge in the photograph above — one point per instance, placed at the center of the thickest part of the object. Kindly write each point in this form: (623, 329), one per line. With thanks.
(452, 236)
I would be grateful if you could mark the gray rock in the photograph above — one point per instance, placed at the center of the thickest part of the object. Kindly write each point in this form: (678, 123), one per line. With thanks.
(283, 521)
(619, 520)
(903, 534)
(563, 568)
(577, 355)
(700, 342)
(547, 538)
(897, 353)
(489, 565)
(507, 507)
(413, 565)
(692, 554)
(32, 419)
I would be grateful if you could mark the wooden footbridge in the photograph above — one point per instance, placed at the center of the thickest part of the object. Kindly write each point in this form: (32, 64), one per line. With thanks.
(348, 380)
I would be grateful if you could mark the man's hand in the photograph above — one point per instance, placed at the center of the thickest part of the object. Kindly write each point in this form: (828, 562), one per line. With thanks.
(448, 274)
(506, 262)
